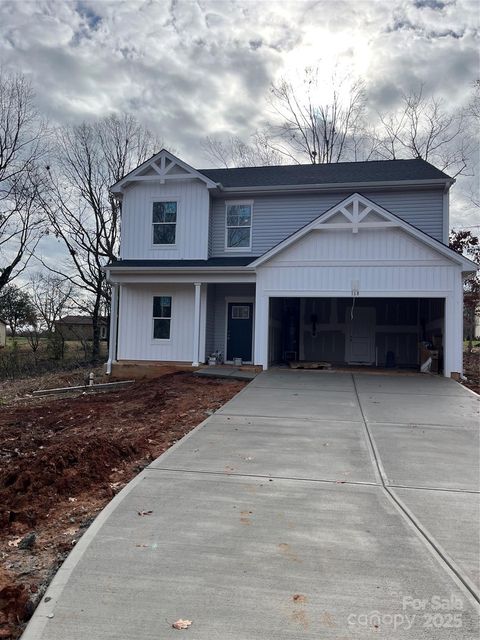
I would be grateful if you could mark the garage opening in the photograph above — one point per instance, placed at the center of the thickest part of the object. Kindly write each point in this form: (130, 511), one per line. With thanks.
(395, 333)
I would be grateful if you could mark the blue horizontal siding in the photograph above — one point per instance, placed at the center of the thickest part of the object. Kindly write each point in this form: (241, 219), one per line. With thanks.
(275, 217)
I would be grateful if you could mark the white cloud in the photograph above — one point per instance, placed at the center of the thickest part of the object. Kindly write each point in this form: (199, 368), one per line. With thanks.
(193, 68)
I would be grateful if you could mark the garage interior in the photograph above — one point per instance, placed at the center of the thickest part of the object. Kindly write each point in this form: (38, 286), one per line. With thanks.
(393, 333)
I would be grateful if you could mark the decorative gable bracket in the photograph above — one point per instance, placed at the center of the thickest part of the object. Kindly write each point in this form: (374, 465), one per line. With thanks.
(162, 167)
(354, 214)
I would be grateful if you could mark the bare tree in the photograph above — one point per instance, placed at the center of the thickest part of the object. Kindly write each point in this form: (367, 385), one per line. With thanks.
(468, 244)
(423, 128)
(317, 121)
(21, 138)
(33, 336)
(234, 152)
(88, 159)
(51, 296)
(473, 107)
(314, 121)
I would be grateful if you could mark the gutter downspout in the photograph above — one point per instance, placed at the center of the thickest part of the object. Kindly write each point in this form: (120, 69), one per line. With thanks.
(446, 214)
(112, 345)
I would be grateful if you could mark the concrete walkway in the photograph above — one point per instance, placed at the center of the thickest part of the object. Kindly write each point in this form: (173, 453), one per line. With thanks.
(224, 371)
(313, 505)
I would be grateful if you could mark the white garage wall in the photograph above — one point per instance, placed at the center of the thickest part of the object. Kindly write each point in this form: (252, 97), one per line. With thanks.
(386, 263)
(414, 281)
(369, 244)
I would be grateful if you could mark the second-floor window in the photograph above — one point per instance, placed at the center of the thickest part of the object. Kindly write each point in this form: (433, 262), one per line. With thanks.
(238, 225)
(164, 222)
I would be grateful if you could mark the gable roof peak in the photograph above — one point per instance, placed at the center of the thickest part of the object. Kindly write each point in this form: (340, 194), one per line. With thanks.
(161, 167)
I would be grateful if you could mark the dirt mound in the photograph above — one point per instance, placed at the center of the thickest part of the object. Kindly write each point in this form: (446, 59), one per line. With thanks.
(15, 602)
(62, 460)
(55, 472)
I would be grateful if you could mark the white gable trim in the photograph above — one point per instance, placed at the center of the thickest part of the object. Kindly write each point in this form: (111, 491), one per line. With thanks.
(355, 210)
(163, 172)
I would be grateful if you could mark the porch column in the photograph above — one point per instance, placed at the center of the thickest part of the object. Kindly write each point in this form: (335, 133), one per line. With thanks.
(203, 323)
(453, 347)
(261, 328)
(112, 338)
(196, 324)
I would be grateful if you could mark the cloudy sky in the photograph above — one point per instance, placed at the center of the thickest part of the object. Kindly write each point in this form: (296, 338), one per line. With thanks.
(189, 69)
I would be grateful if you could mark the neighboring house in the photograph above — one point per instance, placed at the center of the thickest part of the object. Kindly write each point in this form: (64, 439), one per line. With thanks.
(80, 328)
(345, 263)
(3, 333)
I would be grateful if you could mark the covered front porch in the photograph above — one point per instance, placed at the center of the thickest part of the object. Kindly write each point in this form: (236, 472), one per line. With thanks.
(178, 320)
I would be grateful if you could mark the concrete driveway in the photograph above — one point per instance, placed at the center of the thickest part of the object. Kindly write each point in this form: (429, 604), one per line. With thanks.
(313, 505)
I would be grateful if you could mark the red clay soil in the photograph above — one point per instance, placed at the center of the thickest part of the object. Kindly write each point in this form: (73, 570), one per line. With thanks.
(62, 460)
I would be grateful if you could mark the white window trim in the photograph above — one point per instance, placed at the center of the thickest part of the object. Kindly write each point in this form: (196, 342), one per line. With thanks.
(162, 340)
(239, 249)
(164, 199)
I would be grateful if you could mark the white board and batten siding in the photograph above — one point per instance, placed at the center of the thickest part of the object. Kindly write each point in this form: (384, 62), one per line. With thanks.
(381, 263)
(385, 262)
(192, 221)
(135, 327)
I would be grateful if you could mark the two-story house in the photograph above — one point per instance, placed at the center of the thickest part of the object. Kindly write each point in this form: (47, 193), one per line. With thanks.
(346, 263)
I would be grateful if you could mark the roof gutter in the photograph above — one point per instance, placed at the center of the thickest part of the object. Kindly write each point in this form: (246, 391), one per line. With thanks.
(339, 186)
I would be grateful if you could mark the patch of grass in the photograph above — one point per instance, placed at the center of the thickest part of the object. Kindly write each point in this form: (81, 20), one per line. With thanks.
(72, 347)
(18, 360)
(20, 342)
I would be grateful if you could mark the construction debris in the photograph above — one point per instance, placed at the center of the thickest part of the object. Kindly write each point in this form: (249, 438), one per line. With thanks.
(296, 364)
(104, 386)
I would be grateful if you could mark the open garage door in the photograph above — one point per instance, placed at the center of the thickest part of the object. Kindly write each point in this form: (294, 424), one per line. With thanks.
(375, 332)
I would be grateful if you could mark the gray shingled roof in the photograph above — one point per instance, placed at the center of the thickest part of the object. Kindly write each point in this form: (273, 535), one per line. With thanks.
(339, 172)
(233, 261)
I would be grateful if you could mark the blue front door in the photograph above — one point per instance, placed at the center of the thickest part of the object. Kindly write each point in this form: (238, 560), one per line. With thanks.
(240, 330)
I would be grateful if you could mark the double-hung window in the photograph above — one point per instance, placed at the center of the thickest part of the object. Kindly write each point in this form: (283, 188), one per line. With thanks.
(164, 222)
(162, 317)
(238, 225)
